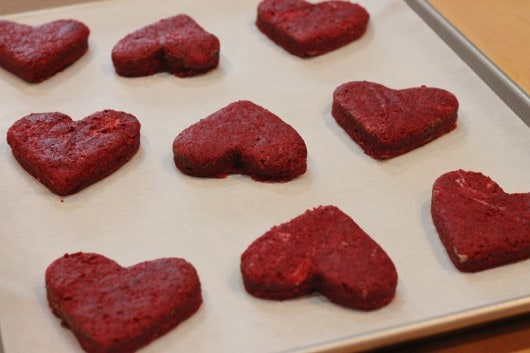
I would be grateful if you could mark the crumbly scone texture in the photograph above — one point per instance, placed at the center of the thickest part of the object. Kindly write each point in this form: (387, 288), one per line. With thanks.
(305, 29)
(111, 308)
(321, 250)
(67, 156)
(241, 138)
(177, 45)
(479, 224)
(37, 53)
(386, 122)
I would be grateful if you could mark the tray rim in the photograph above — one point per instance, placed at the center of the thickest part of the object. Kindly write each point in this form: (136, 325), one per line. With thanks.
(420, 329)
(509, 91)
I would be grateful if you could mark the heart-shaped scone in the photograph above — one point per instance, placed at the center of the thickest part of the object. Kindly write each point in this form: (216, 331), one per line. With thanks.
(305, 29)
(111, 308)
(321, 250)
(67, 155)
(241, 138)
(177, 45)
(386, 122)
(479, 224)
(37, 53)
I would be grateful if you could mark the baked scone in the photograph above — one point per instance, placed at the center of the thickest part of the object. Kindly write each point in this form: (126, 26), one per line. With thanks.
(241, 138)
(111, 308)
(321, 250)
(177, 45)
(479, 224)
(305, 29)
(67, 156)
(386, 122)
(37, 53)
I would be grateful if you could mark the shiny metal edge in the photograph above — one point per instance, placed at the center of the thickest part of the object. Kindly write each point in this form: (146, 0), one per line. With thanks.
(1, 344)
(407, 332)
(511, 93)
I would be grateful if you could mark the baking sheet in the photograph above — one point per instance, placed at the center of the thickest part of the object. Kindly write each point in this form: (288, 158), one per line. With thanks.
(147, 209)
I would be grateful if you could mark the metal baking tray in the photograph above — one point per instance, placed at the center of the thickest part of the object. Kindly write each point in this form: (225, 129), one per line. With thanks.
(511, 93)
(147, 209)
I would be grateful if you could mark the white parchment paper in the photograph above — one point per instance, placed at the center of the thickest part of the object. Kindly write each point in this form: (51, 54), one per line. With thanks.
(147, 209)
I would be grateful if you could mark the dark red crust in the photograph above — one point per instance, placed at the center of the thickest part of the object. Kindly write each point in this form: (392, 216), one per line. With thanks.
(387, 123)
(37, 53)
(177, 45)
(306, 29)
(67, 156)
(480, 225)
(110, 308)
(241, 138)
(321, 250)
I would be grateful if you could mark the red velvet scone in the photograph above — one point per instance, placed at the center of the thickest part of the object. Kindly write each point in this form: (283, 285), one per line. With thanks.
(37, 53)
(177, 45)
(241, 138)
(67, 155)
(111, 308)
(305, 29)
(321, 250)
(386, 122)
(479, 224)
